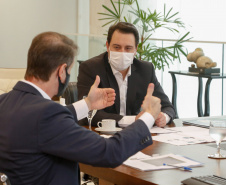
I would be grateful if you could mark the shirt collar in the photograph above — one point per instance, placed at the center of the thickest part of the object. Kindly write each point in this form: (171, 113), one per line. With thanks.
(115, 72)
(43, 93)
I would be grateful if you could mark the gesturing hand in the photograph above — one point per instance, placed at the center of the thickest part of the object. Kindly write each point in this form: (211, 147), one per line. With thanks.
(151, 103)
(99, 98)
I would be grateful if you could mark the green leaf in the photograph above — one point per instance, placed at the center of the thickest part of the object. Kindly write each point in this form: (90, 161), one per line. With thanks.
(171, 54)
(106, 14)
(178, 56)
(138, 7)
(147, 37)
(108, 23)
(136, 20)
(182, 38)
(185, 54)
(128, 2)
(105, 18)
(113, 13)
(114, 6)
(169, 12)
(164, 10)
(173, 15)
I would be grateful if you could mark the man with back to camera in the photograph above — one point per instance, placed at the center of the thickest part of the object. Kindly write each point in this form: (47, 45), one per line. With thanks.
(40, 140)
(128, 76)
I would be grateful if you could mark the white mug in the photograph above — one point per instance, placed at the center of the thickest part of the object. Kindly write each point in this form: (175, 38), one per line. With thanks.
(107, 124)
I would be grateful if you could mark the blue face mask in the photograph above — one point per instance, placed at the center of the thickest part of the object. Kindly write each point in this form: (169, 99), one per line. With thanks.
(62, 86)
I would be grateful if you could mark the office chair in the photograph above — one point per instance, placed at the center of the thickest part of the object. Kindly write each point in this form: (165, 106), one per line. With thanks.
(4, 180)
(80, 61)
(71, 93)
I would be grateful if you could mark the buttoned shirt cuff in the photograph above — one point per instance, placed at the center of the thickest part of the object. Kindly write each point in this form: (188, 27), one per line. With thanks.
(81, 109)
(147, 119)
(167, 117)
(126, 121)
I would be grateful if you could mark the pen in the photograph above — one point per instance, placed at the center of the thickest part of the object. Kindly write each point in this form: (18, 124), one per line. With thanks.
(181, 167)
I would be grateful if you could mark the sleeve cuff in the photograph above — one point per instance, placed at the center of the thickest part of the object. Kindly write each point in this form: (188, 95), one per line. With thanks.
(81, 109)
(167, 117)
(148, 119)
(126, 121)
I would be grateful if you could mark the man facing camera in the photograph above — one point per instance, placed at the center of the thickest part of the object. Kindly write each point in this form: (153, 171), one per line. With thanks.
(128, 76)
(40, 140)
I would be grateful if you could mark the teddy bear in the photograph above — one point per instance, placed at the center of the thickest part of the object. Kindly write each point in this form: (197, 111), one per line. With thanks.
(202, 61)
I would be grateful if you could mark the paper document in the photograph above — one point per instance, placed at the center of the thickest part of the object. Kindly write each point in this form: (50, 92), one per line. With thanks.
(139, 156)
(158, 130)
(148, 163)
(185, 136)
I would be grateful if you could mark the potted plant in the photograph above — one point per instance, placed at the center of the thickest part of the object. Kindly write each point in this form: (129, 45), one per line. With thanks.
(147, 23)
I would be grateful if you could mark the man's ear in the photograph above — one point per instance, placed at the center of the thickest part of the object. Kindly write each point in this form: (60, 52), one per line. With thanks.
(62, 72)
(136, 50)
(107, 45)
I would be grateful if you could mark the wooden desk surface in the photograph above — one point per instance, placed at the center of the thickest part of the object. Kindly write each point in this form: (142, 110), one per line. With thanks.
(128, 176)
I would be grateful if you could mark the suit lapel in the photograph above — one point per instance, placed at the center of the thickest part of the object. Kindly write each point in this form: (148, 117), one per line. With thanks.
(131, 92)
(112, 83)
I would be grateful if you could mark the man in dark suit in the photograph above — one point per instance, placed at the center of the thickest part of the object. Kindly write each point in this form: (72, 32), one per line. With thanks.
(40, 140)
(128, 76)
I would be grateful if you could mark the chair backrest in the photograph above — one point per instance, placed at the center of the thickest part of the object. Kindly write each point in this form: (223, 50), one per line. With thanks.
(12, 73)
(9, 77)
(4, 180)
(71, 93)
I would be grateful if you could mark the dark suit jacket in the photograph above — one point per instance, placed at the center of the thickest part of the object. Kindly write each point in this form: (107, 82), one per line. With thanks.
(41, 142)
(142, 73)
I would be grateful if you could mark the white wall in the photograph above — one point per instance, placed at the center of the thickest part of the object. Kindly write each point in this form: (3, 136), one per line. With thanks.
(21, 20)
(205, 19)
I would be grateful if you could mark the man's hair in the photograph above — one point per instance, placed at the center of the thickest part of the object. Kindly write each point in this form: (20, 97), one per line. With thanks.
(123, 27)
(49, 50)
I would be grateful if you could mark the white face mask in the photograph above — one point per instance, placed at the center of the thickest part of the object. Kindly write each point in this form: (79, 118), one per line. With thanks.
(120, 60)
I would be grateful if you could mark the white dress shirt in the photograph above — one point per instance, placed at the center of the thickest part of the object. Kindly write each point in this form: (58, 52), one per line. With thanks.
(123, 85)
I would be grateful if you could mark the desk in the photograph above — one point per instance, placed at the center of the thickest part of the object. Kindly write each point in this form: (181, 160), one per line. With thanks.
(124, 175)
(200, 90)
